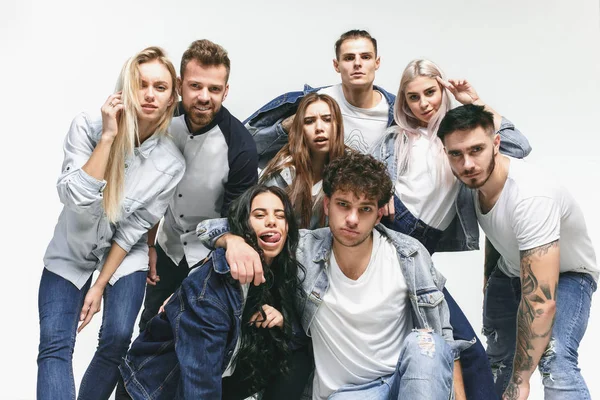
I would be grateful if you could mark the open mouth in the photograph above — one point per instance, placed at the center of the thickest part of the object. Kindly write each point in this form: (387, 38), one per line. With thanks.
(270, 238)
(321, 139)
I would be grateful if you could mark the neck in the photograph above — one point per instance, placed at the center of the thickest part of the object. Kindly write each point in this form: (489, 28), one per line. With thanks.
(361, 97)
(317, 162)
(490, 191)
(353, 261)
(145, 130)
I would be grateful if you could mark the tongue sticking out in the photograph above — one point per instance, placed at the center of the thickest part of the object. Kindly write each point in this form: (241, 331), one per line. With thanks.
(271, 237)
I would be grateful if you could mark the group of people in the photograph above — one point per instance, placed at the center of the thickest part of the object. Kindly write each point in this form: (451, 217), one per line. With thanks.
(319, 283)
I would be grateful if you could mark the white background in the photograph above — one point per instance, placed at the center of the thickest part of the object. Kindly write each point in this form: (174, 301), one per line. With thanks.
(536, 62)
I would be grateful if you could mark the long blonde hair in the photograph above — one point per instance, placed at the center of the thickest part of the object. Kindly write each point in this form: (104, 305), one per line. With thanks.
(128, 135)
(408, 124)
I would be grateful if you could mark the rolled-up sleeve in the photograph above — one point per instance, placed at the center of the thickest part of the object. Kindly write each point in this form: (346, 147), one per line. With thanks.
(140, 221)
(210, 230)
(77, 190)
(512, 142)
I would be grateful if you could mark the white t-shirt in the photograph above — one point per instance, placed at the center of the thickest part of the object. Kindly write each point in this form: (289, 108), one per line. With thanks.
(531, 211)
(419, 191)
(359, 328)
(362, 126)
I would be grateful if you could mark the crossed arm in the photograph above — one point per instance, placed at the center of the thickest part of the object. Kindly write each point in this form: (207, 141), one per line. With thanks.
(535, 316)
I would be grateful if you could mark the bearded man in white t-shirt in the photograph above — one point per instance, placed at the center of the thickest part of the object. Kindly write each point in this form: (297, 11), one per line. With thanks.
(543, 281)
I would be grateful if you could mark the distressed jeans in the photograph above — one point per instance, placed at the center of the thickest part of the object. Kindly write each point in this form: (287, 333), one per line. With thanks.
(424, 371)
(60, 303)
(477, 376)
(561, 376)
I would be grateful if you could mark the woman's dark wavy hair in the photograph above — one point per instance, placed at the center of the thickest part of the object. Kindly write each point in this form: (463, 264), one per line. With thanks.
(264, 349)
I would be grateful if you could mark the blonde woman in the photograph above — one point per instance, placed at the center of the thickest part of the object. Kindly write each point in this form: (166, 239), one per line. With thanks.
(118, 175)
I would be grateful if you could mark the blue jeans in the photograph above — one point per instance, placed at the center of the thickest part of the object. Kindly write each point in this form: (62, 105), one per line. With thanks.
(424, 371)
(477, 375)
(558, 366)
(60, 304)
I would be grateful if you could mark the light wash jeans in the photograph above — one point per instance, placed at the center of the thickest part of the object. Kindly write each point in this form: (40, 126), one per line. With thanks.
(59, 304)
(424, 371)
(558, 366)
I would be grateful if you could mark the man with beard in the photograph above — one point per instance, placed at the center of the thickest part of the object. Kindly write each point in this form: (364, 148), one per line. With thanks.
(221, 164)
(542, 283)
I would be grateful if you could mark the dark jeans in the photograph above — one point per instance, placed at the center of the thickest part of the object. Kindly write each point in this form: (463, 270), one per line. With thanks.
(171, 276)
(477, 374)
(60, 304)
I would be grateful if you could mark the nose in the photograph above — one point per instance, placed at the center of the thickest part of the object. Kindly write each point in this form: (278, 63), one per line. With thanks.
(357, 62)
(352, 218)
(319, 126)
(270, 219)
(423, 103)
(149, 93)
(203, 95)
(468, 162)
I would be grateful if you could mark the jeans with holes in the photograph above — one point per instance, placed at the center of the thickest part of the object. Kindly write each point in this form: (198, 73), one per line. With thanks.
(60, 304)
(561, 376)
(477, 375)
(424, 371)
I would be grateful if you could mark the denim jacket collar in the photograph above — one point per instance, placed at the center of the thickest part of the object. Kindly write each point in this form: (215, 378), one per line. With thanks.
(146, 148)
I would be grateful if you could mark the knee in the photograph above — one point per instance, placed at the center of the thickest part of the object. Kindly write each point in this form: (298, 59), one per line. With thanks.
(557, 363)
(428, 347)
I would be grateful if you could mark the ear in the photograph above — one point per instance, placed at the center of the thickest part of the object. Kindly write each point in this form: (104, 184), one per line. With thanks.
(226, 92)
(326, 201)
(377, 61)
(496, 143)
(379, 214)
(336, 65)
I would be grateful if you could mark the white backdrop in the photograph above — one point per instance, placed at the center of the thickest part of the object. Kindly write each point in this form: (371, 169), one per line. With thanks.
(536, 61)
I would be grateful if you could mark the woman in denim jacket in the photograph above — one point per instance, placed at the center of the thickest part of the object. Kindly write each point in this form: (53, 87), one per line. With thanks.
(429, 202)
(217, 338)
(118, 175)
(316, 138)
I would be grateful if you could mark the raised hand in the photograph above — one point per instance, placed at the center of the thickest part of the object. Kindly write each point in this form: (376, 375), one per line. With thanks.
(110, 114)
(273, 318)
(461, 89)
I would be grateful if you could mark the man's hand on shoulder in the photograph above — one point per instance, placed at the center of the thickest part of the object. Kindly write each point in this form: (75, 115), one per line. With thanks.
(244, 262)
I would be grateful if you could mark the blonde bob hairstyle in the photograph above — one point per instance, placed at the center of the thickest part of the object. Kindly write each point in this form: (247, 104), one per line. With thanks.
(129, 83)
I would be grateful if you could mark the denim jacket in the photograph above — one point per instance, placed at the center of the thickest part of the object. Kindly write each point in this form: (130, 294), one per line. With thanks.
(425, 284)
(184, 351)
(265, 124)
(463, 232)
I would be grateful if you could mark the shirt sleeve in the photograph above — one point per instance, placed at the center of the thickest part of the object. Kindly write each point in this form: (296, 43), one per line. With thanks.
(144, 218)
(536, 222)
(77, 190)
(243, 173)
(512, 142)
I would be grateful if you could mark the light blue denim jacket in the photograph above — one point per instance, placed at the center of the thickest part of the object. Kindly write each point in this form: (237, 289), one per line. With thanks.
(83, 234)
(425, 283)
(265, 124)
(463, 232)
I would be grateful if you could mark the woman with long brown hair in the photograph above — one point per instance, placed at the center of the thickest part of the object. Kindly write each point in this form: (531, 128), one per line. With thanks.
(118, 175)
(316, 137)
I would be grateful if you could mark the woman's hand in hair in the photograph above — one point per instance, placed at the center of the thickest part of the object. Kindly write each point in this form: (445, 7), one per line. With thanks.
(110, 114)
(461, 89)
(389, 210)
(272, 318)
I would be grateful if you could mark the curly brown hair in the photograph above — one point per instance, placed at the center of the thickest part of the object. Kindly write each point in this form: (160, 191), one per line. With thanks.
(360, 174)
(206, 53)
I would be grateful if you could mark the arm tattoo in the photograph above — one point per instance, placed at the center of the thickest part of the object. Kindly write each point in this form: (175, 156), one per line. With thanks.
(533, 295)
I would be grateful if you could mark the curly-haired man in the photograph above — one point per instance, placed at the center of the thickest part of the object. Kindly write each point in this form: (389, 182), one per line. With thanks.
(372, 301)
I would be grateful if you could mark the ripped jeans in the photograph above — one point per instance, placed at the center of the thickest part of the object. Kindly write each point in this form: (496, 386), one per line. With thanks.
(424, 371)
(561, 376)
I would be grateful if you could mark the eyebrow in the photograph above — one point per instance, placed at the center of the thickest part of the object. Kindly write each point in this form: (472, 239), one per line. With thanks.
(362, 53)
(265, 210)
(429, 88)
(364, 203)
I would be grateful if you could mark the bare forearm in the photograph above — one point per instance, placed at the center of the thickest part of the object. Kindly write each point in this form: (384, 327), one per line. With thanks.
(113, 260)
(459, 387)
(152, 235)
(96, 165)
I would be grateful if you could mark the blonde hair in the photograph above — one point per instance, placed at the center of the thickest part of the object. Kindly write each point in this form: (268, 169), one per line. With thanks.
(407, 127)
(128, 135)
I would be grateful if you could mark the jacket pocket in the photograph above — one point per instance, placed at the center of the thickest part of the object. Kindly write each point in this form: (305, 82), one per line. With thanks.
(429, 298)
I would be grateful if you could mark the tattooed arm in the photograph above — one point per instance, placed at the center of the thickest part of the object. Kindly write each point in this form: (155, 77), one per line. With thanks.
(535, 316)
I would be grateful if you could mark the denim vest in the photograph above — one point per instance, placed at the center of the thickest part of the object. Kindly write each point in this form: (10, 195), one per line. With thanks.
(265, 124)
(463, 232)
